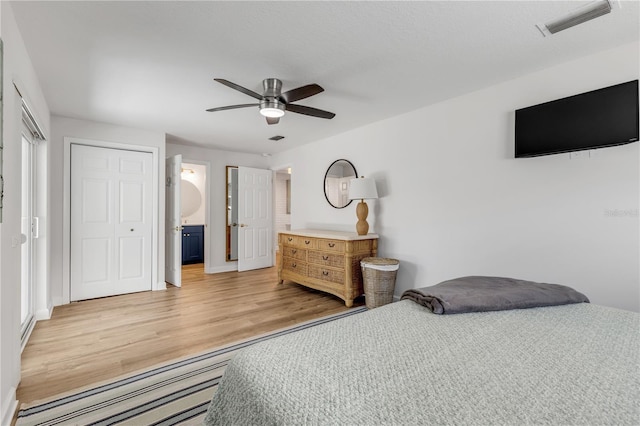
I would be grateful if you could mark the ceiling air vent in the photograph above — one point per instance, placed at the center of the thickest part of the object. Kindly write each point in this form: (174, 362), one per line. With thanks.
(276, 138)
(578, 16)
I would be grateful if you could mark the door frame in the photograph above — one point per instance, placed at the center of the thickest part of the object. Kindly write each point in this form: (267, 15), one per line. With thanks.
(66, 209)
(31, 241)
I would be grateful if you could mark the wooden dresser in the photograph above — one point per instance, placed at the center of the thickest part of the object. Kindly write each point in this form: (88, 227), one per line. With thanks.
(325, 260)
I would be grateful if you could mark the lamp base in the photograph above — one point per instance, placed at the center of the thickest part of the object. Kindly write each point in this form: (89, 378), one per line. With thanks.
(362, 211)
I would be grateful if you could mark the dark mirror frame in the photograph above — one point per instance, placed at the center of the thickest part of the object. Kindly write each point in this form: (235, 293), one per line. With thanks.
(324, 182)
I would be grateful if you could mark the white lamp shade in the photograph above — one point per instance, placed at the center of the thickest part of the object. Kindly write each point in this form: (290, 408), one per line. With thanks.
(362, 189)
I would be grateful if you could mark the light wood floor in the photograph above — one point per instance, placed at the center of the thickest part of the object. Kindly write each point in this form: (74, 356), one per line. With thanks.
(96, 340)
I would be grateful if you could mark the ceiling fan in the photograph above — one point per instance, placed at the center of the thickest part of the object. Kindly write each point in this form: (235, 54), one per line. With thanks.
(273, 103)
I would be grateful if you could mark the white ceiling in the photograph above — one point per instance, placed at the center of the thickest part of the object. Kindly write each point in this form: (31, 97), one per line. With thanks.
(151, 65)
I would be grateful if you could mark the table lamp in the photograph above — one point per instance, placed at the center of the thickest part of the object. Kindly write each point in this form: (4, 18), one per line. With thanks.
(362, 189)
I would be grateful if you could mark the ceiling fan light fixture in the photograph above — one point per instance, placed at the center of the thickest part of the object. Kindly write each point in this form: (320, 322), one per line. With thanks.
(272, 108)
(272, 112)
(273, 103)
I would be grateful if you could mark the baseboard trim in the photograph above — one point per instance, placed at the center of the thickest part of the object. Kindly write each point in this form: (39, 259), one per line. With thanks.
(25, 338)
(44, 314)
(9, 407)
(160, 286)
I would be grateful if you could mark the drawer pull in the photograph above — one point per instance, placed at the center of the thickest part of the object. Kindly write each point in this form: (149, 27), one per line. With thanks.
(332, 245)
(307, 241)
(325, 273)
(325, 257)
(293, 265)
(294, 251)
(290, 239)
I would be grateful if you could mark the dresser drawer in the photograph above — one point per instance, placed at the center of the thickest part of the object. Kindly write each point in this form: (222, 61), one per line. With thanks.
(326, 274)
(331, 245)
(295, 253)
(298, 241)
(294, 265)
(326, 259)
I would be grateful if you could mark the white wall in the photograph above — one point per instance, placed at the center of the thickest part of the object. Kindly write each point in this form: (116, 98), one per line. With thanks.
(219, 160)
(17, 68)
(455, 202)
(62, 127)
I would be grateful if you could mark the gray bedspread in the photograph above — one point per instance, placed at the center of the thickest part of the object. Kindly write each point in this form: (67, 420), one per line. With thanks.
(481, 294)
(402, 365)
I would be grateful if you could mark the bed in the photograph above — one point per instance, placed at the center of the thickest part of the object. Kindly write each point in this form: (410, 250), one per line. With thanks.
(402, 364)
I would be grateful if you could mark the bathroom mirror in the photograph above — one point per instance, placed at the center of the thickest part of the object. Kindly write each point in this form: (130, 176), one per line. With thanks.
(232, 213)
(336, 183)
(190, 199)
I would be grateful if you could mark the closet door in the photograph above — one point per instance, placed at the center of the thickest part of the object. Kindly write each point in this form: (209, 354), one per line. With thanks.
(111, 221)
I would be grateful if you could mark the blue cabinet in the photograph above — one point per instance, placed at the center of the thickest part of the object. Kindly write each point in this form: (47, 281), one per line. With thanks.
(192, 244)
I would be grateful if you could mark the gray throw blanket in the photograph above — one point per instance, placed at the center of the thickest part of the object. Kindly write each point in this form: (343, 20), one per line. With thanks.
(480, 294)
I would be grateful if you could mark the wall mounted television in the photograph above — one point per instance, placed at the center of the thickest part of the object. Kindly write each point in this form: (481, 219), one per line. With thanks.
(597, 119)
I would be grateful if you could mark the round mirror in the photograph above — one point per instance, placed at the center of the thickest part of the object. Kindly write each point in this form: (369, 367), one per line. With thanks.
(336, 183)
(191, 198)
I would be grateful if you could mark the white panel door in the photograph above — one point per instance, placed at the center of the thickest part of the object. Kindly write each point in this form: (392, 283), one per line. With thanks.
(111, 221)
(173, 230)
(255, 214)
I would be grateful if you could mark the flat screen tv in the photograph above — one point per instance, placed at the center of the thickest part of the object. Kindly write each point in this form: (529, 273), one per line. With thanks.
(597, 119)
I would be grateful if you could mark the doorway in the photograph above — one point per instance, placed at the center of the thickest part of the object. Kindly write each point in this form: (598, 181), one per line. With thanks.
(249, 217)
(33, 256)
(29, 233)
(187, 212)
(193, 213)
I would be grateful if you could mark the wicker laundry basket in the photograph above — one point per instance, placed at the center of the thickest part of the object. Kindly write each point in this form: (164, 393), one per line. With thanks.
(379, 280)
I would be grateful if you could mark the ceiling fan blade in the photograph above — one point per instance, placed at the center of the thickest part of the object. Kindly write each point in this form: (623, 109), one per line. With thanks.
(238, 88)
(273, 120)
(313, 112)
(301, 93)
(231, 107)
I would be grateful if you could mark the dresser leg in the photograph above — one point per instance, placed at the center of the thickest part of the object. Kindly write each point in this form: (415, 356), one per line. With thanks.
(348, 303)
(280, 282)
